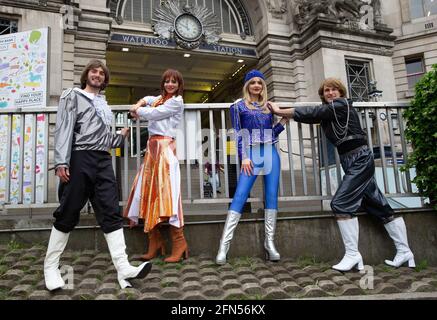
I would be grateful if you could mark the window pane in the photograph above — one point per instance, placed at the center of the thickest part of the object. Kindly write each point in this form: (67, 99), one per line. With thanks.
(430, 7)
(416, 9)
(412, 80)
(414, 66)
(358, 74)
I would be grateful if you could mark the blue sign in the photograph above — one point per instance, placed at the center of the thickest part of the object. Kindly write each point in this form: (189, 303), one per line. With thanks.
(158, 42)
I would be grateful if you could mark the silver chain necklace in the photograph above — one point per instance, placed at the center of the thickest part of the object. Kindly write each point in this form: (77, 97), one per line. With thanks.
(341, 132)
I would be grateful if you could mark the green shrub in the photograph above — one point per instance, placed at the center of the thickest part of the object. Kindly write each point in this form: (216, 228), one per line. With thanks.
(421, 130)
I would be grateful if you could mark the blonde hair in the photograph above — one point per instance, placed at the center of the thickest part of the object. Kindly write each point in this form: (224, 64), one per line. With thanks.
(333, 83)
(263, 96)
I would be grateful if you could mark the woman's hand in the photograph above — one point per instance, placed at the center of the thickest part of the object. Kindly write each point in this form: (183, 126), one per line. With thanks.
(133, 111)
(247, 167)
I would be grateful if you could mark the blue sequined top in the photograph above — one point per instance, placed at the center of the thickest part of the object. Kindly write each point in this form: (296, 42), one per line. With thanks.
(253, 127)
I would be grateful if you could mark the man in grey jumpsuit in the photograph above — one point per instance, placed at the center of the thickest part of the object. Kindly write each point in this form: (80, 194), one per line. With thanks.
(83, 139)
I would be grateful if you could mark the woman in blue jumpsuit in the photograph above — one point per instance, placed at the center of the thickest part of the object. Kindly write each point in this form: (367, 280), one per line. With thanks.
(256, 136)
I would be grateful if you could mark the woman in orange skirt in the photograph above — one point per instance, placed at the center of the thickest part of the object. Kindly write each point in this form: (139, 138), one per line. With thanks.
(156, 193)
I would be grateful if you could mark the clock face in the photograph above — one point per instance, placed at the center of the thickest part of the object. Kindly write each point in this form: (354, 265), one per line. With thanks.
(188, 27)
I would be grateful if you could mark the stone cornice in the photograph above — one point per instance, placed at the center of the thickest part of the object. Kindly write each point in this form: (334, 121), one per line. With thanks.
(40, 5)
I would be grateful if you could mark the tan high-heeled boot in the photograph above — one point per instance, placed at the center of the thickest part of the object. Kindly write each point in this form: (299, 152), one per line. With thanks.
(155, 243)
(179, 245)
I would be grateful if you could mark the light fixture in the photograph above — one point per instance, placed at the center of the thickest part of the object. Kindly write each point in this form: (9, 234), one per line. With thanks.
(240, 61)
(125, 49)
(187, 55)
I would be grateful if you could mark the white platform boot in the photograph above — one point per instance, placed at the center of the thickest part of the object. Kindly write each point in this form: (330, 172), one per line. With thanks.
(125, 271)
(52, 274)
(398, 232)
(349, 230)
(228, 233)
(270, 216)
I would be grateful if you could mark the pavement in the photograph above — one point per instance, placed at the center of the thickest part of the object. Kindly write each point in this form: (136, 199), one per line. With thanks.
(92, 276)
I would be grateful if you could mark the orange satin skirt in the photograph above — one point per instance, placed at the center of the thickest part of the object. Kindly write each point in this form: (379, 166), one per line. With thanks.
(158, 198)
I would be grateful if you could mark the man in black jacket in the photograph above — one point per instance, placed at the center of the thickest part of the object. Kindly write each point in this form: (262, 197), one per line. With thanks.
(358, 189)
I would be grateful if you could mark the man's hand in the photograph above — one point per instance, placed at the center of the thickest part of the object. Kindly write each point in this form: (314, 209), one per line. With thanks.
(63, 173)
(125, 132)
(247, 167)
(133, 111)
(273, 107)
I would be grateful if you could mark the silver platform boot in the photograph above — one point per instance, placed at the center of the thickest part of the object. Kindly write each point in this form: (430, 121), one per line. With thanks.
(270, 216)
(228, 233)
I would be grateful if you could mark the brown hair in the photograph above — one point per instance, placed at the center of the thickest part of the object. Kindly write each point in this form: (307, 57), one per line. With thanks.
(171, 73)
(333, 83)
(94, 64)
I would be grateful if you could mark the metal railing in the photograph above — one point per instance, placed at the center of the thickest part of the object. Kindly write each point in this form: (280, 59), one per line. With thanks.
(310, 165)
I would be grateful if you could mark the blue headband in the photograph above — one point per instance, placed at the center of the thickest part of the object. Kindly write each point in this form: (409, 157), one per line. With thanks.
(253, 74)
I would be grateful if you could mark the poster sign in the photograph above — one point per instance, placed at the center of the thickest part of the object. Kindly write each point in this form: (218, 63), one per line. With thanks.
(23, 84)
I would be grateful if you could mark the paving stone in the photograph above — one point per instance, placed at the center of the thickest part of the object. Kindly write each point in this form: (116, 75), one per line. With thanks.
(350, 290)
(225, 268)
(332, 273)
(149, 296)
(7, 284)
(152, 287)
(170, 282)
(61, 297)
(268, 282)
(234, 294)
(207, 264)
(191, 285)
(291, 266)
(430, 281)
(247, 278)
(83, 260)
(304, 281)
(252, 288)
(275, 293)
(84, 294)
(109, 278)
(264, 274)
(386, 288)
(189, 268)
(8, 260)
(171, 272)
(40, 285)
(106, 296)
(318, 276)
(100, 265)
(22, 290)
(386, 276)
(36, 268)
(298, 274)
(231, 284)
(228, 275)
(79, 268)
(377, 281)
(13, 274)
(88, 253)
(170, 293)
(211, 280)
(354, 276)
(94, 273)
(341, 280)
(312, 291)
(208, 272)
(31, 279)
(311, 269)
(191, 276)
(23, 265)
(31, 256)
(89, 283)
(108, 288)
(243, 271)
(290, 286)
(327, 285)
(129, 294)
(400, 283)
(421, 286)
(259, 267)
(104, 257)
(154, 276)
(193, 295)
(39, 295)
(212, 291)
(281, 277)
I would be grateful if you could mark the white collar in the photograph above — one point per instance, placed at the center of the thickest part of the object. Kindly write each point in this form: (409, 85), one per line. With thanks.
(88, 95)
